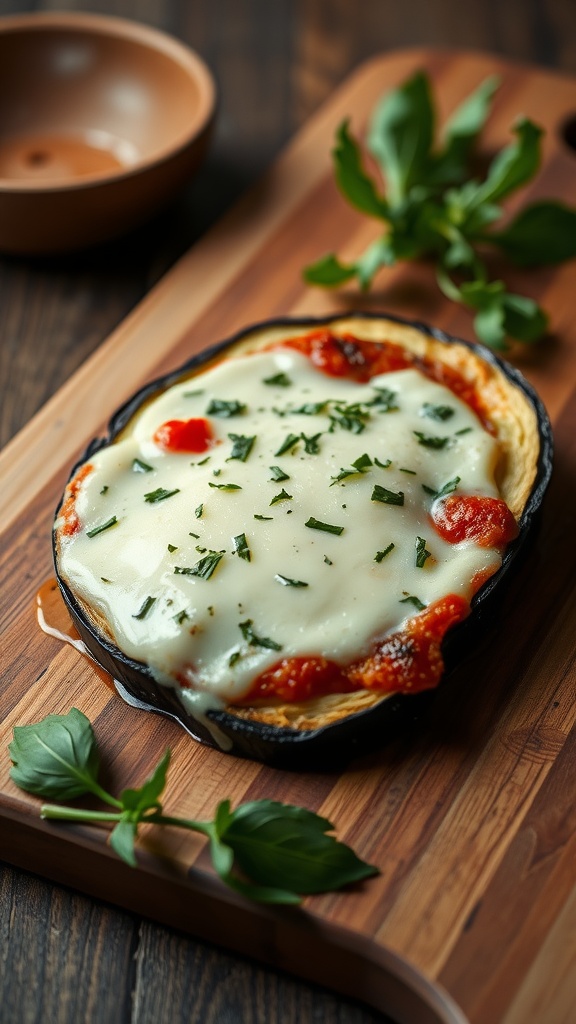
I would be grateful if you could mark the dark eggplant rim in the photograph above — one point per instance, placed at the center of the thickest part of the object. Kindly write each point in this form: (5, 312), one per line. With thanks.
(262, 734)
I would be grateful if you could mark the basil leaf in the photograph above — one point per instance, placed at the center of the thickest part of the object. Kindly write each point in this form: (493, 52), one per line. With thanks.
(523, 318)
(57, 758)
(241, 447)
(282, 846)
(146, 797)
(278, 474)
(352, 179)
(400, 136)
(241, 547)
(328, 271)
(513, 166)
(541, 235)
(122, 838)
(461, 132)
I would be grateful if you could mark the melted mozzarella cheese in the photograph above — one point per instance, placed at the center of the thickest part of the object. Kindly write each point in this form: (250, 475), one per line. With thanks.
(304, 590)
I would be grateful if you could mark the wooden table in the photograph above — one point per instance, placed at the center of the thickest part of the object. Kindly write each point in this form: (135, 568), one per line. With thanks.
(64, 957)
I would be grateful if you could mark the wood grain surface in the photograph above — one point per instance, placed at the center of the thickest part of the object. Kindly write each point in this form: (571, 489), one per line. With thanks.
(471, 817)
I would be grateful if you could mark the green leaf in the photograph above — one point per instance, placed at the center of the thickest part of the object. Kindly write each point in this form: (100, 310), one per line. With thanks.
(56, 758)
(146, 797)
(329, 272)
(512, 167)
(461, 132)
(489, 325)
(122, 840)
(282, 846)
(379, 254)
(523, 318)
(352, 179)
(400, 136)
(541, 235)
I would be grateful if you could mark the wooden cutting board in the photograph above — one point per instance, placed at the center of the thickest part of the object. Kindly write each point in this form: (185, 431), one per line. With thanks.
(470, 816)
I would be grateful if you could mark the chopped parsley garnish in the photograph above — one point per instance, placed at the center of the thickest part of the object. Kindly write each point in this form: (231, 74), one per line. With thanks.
(387, 497)
(278, 473)
(257, 641)
(198, 511)
(437, 412)
(431, 440)
(290, 442)
(193, 394)
(105, 580)
(283, 496)
(446, 489)
(241, 547)
(281, 380)
(412, 599)
(287, 582)
(204, 568)
(465, 430)
(311, 446)
(241, 447)
(104, 489)
(181, 617)
(422, 554)
(146, 606)
(172, 547)
(310, 408)
(384, 400)
(352, 422)
(141, 467)
(225, 487)
(195, 535)
(381, 555)
(264, 519)
(160, 494)
(202, 462)
(403, 469)
(383, 465)
(328, 561)
(223, 409)
(361, 465)
(234, 657)
(216, 472)
(103, 526)
(315, 524)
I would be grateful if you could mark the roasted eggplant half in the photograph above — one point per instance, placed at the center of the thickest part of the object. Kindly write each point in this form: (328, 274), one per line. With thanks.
(279, 544)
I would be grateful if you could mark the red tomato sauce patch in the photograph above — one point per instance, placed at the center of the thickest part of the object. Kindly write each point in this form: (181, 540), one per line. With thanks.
(192, 436)
(486, 521)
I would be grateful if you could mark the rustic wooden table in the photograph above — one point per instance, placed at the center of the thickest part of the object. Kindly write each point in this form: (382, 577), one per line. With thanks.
(65, 958)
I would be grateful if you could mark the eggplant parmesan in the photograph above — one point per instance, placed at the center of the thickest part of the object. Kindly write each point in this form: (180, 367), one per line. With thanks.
(282, 534)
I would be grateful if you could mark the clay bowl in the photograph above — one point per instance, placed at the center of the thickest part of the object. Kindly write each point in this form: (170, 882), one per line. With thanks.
(101, 121)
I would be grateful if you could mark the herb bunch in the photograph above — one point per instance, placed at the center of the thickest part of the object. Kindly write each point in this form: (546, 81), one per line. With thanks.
(432, 207)
(268, 851)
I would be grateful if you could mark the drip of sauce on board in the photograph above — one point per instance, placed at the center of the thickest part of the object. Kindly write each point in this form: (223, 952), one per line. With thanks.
(53, 618)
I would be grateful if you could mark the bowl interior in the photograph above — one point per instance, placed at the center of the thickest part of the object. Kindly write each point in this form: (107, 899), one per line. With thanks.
(86, 100)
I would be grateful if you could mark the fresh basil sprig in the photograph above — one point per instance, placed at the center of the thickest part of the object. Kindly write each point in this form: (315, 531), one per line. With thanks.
(432, 206)
(268, 851)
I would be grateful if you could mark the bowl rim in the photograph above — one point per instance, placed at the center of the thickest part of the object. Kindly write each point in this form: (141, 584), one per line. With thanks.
(136, 32)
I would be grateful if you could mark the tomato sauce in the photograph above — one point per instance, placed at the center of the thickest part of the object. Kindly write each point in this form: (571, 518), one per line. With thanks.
(486, 521)
(359, 360)
(193, 436)
(68, 510)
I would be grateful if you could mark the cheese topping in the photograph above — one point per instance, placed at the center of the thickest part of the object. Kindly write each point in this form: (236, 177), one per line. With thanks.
(303, 528)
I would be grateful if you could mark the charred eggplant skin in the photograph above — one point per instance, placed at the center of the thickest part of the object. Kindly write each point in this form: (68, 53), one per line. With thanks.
(335, 744)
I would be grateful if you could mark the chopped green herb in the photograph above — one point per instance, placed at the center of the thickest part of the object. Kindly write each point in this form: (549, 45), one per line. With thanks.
(291, 441)
(311, 446)
(431, 441)
(234, 657)
(146, 606)
(160, 494)
(241, 447)
(383, 465)
(195, 535)
(447, 488)
(141, 467)
(355, 424)
(172, 547)
(315, 524)
(280, 380)
(104, 489)
(193, 394)
(412, 599)
(385, 400)
(412, 472)
(216, 472)
(181, 617)
(204, 568)
(287, 582)
(257, 641)
(103, 526)
(361, 465)
(310, 408)
(225, 487)
(283, 496)
(278, 474)
(465, 430)
(104, 580)
(328, 561)
(241, 547)
(202, 461)
(387, 497)
(381, 555)
(198, 511)
(224, 409)
(437, 412)
(200, 549)
(422, 554)
(264, 519)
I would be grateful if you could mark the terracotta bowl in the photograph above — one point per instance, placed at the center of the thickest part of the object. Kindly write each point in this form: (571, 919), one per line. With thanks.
(101, 120)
